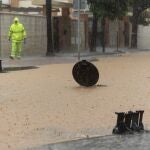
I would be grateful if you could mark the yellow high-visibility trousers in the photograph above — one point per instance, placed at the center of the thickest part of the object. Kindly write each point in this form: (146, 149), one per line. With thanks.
(16, 49)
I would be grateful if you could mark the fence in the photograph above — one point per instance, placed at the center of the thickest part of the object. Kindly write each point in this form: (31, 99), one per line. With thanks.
(37, 39)
(36, 34)
(74, 35)
(117, 35)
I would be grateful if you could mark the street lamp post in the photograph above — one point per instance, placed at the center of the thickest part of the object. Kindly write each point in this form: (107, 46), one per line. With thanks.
(0, 38)
(49, 28)
(78, 30)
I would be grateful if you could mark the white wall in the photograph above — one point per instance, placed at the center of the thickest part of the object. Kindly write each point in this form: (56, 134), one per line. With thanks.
(143, 37)
(5, 1)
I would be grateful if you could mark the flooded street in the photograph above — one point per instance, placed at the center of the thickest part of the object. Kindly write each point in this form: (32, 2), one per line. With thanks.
(45, 105)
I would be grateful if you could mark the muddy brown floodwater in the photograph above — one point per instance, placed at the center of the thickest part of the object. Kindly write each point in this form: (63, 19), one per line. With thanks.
(45, 105)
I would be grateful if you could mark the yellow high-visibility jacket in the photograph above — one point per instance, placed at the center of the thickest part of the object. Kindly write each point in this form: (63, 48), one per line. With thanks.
(17, 32)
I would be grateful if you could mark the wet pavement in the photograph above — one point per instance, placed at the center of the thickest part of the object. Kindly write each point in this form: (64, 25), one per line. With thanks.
(138, 141)
(58, 58)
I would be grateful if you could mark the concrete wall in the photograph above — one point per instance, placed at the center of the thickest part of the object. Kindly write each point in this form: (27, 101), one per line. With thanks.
(36, 34)
(143, 37)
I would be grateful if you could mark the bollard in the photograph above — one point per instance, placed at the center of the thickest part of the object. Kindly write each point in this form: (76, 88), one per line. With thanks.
(140, 124)
(1, 66)
(135, 121)
(129, 122)
(120, 125)
(85, 73)
(128, 118)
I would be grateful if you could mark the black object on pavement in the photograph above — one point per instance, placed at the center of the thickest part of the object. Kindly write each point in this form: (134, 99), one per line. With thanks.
(129, 122)
(85, 73)
(120, 126)
(1, 69)
(140, 124)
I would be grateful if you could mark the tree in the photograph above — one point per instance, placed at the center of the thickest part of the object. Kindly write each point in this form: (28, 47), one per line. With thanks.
(49, 28)
(101, 9)
(138, 7)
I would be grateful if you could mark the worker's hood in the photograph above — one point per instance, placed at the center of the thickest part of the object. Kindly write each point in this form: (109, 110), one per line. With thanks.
(16, 20)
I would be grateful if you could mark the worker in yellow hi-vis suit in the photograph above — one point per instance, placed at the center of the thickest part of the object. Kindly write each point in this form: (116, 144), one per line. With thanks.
(17, 35)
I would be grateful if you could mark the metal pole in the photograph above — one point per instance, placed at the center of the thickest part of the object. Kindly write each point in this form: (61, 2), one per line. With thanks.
(50, 51)
(0, 44)
(78, 30)
(0, 36)
(52, 19)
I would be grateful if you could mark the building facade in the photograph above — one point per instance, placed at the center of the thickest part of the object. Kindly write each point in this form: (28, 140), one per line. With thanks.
(21, 6)
(65, 25)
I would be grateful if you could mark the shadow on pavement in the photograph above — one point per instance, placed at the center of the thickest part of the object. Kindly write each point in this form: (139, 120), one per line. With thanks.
(7, 69)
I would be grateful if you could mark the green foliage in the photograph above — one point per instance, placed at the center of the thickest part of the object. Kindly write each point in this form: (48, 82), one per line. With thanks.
(139, 3)
(116, 8)
(140, 12)
(108, 8)
(144, 18)
(138, 8)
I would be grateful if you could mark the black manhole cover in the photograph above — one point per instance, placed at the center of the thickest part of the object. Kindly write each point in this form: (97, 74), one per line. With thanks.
(85, 73)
